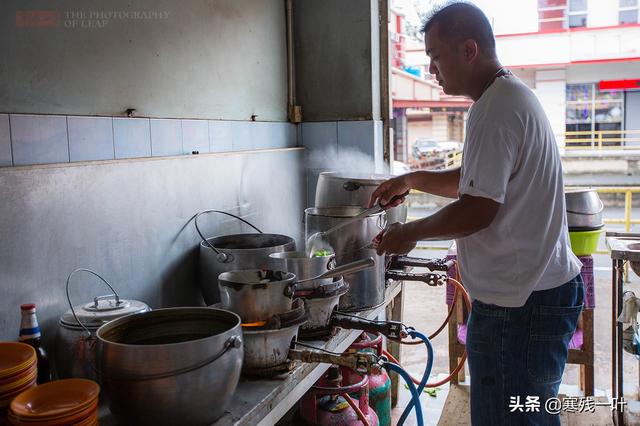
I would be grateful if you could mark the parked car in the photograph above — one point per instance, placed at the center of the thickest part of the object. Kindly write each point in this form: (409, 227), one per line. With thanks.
(429, 147)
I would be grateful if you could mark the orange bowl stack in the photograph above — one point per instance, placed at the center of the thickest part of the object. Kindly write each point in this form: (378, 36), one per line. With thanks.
(57, 403)
(18, 372)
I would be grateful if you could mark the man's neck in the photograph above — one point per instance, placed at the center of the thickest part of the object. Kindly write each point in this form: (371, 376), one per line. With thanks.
(485, 75)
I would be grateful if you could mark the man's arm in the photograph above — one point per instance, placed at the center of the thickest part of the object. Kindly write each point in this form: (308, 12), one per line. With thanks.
(443, 183)
(461, 218)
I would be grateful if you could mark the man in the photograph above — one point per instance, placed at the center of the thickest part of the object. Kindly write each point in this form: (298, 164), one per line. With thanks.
(509, 223)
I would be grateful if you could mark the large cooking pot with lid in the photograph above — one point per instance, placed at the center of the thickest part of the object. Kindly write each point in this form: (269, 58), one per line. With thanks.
(352, 243)
(584, 209)
(170, 366)
(235, 252)
(353, 189)
(75, 341)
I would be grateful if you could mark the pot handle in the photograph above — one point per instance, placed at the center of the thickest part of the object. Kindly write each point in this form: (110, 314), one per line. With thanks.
(232, 342)
(290, 290)
(222, 257)
(88, 333)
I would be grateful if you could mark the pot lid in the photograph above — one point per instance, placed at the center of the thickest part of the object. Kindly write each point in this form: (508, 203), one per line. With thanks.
(102, 310)
(365, 179)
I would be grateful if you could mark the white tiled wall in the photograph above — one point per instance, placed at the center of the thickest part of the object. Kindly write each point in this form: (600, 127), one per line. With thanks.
(344, 146)
(39, 139)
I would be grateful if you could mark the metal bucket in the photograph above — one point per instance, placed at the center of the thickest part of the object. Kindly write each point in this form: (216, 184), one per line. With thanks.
(235, 252)
(351, 243)
(171, 366)
(337, 189)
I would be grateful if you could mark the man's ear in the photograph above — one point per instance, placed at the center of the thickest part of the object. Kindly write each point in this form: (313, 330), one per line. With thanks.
(470, 49)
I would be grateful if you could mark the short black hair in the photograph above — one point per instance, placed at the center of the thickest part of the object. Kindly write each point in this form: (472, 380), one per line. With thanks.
(459, 21)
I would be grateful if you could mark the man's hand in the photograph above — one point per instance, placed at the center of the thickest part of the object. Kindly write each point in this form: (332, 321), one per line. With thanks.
(394, 240)
(389, 189)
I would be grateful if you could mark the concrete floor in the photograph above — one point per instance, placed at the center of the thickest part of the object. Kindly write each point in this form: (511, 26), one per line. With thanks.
(425, 309)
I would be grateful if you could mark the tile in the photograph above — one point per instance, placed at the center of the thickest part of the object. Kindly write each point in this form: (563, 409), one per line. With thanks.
(356, 145)
(245, 135)
(261, 136)
(90, 138)
(220, 136)
(131, 137)
(320, 135)
(166, 137)
(39, 139)
(5, 141)
(282, 135)
(195, 136)
(321, 141)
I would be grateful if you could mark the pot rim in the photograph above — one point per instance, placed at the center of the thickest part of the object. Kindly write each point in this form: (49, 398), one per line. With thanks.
(316, 211)
(114, 323)
(214, 241)
(226, 282)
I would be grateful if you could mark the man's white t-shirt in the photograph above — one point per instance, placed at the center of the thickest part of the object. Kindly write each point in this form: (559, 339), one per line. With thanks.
(510, 155)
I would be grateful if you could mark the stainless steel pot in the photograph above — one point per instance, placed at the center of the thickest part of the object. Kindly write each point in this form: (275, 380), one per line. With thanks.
(303, 266)
(366, 288)
(171, 366)
(321, 306)
(584, 209)
(338, 189)
(269, 348)
(257, 294)
(75, 340)
(235, 252)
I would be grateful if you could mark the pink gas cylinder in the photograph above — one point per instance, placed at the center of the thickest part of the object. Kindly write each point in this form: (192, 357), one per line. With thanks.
(327, 403)
(379, 382)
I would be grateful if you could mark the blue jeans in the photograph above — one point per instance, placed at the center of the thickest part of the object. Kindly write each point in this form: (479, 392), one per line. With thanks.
(518, 354)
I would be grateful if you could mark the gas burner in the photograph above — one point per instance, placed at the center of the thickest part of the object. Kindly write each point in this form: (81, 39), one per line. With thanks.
(336, 288)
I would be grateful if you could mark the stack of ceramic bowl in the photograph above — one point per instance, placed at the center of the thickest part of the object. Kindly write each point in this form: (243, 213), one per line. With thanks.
(18, 372)
(57, 403)
(270, 317)
(321, 296)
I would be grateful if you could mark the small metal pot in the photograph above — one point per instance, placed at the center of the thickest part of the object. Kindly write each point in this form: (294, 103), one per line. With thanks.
(171, 366)
(256, 294)
(303, 266)
(266, 348)
(75, 341)
(235, 252)
(584, 209)
(320, 304)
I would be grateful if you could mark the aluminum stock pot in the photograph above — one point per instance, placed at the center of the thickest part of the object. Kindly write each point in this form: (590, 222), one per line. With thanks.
(352, 243)
(336, 189)
(235, 252)
(75, 340)
(171, 366)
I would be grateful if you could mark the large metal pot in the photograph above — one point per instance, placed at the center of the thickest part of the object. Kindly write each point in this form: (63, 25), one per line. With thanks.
(257, 294)
(303, 266)
(584, 209)
(337, 189)
(75, 341)
(171, 366)
(366, 288)
(235, 252)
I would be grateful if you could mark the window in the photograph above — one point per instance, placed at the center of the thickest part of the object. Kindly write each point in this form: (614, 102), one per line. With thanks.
(577, 13)
(591, 112)
(628, 12)
(551, 14)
